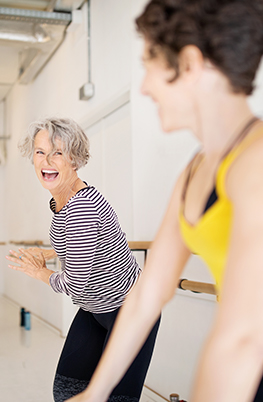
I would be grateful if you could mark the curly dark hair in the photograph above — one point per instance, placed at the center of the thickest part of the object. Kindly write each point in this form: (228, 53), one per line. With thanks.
(229, 33)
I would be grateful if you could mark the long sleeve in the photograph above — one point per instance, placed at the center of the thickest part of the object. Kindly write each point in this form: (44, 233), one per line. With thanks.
(78, 252)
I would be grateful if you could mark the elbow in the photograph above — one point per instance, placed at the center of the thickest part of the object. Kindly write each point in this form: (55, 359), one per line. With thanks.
(251, 344)
(246, 341)
(70, 286)
(255, 343)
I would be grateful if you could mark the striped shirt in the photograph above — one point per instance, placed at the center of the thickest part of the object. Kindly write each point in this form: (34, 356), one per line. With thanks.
(97, 266)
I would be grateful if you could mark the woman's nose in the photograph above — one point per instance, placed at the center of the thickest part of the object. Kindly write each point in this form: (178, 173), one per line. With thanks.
(48, 157)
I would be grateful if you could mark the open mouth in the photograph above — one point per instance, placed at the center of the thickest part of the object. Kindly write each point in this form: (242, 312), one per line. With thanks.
(49, 174)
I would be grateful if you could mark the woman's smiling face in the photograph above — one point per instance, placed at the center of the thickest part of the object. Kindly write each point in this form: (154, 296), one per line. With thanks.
(173, 97)
(54, 170)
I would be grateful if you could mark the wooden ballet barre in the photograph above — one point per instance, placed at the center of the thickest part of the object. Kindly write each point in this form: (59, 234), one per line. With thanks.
(139, 245)
(2, 243)
(184, 284)
(27, 242)
(197, 287)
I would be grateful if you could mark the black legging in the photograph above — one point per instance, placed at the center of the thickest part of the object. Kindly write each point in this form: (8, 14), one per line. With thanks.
(86, 340)
(259, 394)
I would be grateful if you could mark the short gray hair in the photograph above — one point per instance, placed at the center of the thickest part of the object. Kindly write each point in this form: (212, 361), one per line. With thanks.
(74, 140)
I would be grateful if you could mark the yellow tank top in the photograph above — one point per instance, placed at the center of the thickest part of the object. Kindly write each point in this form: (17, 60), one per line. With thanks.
(209, 237)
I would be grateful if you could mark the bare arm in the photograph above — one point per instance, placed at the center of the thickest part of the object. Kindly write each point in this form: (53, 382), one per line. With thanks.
(142, 307)
(232, 362)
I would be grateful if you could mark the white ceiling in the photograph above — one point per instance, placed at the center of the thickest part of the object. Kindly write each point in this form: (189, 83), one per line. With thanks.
(19, 56)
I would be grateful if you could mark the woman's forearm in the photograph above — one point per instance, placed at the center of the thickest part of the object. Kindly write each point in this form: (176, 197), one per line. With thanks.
(130, 331)
(141, 309)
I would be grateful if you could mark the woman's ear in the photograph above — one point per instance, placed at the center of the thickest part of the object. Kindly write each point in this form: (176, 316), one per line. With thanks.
(73, 164)
(191, 62)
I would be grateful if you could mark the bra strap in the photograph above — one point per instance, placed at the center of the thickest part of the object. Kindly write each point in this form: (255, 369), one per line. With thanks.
(241, 135)
(189, 173)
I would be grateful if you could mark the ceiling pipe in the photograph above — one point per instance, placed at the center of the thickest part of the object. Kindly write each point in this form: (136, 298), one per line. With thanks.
(4, 137)
(51, 5)
(87, 90)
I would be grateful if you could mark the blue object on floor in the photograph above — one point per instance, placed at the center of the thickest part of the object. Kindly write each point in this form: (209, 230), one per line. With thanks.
(27, 320)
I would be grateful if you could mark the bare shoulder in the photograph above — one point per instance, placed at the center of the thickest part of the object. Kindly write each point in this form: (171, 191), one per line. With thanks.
(244, 181)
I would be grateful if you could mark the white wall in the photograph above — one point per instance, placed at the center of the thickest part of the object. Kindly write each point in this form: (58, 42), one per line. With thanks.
(110, 167)
(133, 164)
(2, 197)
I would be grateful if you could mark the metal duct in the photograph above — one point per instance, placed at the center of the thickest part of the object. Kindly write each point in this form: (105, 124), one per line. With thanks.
(34, 35)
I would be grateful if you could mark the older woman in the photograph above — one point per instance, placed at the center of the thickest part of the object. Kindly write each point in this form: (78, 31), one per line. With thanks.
(97, 266)
(201, 57)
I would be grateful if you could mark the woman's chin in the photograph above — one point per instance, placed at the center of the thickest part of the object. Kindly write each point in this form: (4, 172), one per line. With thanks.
(48, 184)
(167, 124)
(171, 126)
(167, 128)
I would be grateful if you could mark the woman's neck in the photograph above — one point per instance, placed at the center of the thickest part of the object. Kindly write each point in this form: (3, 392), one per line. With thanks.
(68, 190)
(220, 124)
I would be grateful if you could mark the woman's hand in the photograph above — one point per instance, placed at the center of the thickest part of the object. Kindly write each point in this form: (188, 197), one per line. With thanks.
(48, 254)
(29, 264)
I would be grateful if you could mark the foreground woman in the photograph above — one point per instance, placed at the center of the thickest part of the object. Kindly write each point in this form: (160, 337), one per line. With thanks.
(201, 57)
(97, 266)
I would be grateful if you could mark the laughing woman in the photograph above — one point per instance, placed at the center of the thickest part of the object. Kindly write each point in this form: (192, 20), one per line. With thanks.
(97, 266)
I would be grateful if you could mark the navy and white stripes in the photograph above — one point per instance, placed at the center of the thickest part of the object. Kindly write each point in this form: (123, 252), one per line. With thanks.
(97, 266)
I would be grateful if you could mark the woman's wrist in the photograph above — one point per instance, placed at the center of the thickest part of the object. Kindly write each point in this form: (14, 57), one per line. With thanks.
(45, 274)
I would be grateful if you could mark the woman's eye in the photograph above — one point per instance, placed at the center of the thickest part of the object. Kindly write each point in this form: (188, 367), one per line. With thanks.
(58, 153)
(39, 152)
